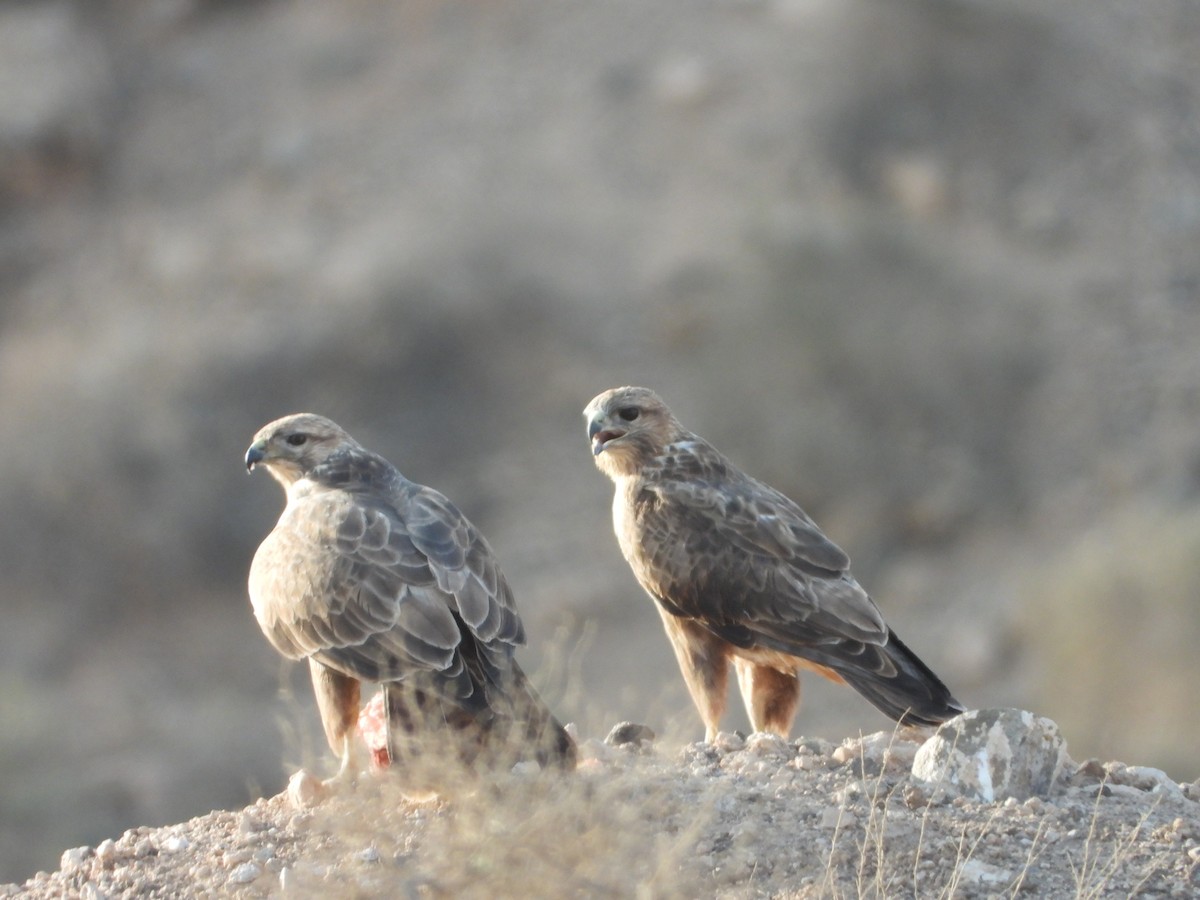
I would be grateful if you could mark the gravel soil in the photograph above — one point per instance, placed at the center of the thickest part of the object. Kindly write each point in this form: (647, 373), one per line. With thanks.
(741, 817)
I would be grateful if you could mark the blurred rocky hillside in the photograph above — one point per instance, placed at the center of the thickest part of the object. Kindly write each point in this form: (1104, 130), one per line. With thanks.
(932, 267)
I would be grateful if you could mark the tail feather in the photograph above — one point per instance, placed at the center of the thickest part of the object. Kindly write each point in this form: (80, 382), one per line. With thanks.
(902, 687)
(502, 722)
(543, 733)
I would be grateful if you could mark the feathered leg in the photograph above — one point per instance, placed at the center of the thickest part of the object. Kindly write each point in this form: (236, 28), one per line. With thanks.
(772, 697)
(337, 699)
(704, 660)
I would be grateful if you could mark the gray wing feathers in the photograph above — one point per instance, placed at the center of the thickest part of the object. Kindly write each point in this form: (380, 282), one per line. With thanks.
(464, 566)
(370, 585)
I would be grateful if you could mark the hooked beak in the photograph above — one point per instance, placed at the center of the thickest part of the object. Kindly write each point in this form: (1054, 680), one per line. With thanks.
(256, 454)
(601, 436)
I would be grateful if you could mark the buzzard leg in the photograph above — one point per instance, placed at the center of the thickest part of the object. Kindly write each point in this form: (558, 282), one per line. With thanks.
(337, 699)
(771, 696)
(704, 660)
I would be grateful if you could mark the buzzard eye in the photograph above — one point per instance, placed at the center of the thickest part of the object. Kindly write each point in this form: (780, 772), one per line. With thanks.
(629, 413)
(297, 440)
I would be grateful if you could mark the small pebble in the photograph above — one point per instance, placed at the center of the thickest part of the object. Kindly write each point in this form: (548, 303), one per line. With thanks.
(629, 733)
(768, 745)
(834, 816)
(73, 859)
(144, 848)
(305, 790)
(914, 797)
(174, 844)
(244, 874)
(370, 855)
(976, 871)
(729, 742)
(816, 746)
(844, 754)
(851, 792)
(106, 852)
(250, 824)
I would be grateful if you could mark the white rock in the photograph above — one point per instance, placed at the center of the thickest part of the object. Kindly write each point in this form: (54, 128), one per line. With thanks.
(245, 873)
(991, 754)
(728, 742)
(174, 844)
(976, 871)
(833, 816)
(74, 858)
(369, 855)
(305, 790)
(249, 823)
(765, 744)
(1149, 778)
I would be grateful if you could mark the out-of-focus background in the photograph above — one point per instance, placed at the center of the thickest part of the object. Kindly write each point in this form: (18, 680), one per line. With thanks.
(932, 267)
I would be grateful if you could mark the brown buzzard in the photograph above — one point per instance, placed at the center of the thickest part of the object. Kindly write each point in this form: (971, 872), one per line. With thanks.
(371, 577)
(741, 574)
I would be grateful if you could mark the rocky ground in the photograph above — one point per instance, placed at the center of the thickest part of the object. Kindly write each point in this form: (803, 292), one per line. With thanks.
(879, 816)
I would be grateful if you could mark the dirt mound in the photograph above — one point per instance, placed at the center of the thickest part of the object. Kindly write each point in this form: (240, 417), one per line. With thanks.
(741, 817)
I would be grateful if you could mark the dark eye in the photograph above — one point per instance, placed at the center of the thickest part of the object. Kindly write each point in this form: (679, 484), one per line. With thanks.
(629, 413)
(297, 440)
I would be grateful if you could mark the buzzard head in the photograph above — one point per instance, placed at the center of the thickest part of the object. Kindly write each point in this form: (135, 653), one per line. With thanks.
(628, 426)
(291, 447)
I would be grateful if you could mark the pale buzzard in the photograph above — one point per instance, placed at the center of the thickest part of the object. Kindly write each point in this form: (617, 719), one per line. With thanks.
(371, 577)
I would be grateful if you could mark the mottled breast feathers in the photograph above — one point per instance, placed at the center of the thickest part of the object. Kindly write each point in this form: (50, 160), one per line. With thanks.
(375, 576)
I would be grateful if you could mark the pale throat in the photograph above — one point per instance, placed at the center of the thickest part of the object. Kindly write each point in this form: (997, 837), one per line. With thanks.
(617, 463)
(290, 477)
